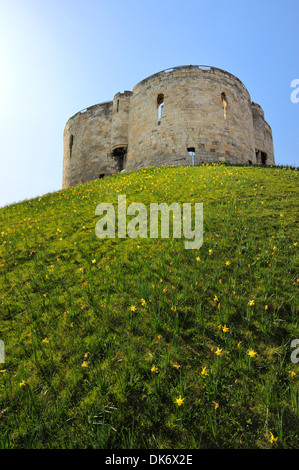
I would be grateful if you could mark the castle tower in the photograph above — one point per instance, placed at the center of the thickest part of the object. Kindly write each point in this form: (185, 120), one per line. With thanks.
(120, 127)
(186, 115)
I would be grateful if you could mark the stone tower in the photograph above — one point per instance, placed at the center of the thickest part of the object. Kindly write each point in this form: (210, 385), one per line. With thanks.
(181, 116)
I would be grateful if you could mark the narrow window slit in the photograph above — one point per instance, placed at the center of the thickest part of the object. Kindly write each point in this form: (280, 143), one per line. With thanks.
(160, 104)
(224, 103)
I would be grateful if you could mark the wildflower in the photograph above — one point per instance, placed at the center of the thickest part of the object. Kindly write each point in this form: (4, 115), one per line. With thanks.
(143, 302)
(239, 345)
(197, 258)
(218, 352)
(159, 336)
(290, 372)
(272, 439)
(251, 303)
(210, 252)
(84, 364)
(220, 281)
(227, 263)
(251, 353)
(22, 383)
(219, 326)
(154, 369)
(225, 329)
(204, 371)
(133, 308)
(45, 340)
(3, 371)
(179, 400)
(216, 298)
(176, 366)
(72, 324)
(86, 354)
(266, 307)
(94, 261)
(216, 406)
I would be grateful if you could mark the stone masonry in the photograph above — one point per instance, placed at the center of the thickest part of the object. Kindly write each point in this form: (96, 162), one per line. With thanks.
(186, 115)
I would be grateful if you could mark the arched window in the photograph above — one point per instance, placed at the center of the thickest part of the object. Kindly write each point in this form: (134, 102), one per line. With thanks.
(224, 103)
(160, 104)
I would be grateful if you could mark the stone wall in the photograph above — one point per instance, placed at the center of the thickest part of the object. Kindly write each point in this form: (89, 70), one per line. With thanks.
(193, 116)
(87, 137)
(262, 134)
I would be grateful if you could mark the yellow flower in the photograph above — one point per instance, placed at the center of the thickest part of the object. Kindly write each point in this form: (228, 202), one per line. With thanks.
(272, 439)
(197, 258)
(2, 371)
(204, 371)
(266, 307)
(227, 263)
(251, 353)
(94, 261)
(179, 400)
(216, 406)
(225, 329)
(45, 340)
(176, 366)
(218, 352)
(22, 383)
(210, 252)
(143, 302)
(251, 303)
(216, 298)
(133, 308)
(84, 364)
(239, 345)
(154, 369)
(290, 372)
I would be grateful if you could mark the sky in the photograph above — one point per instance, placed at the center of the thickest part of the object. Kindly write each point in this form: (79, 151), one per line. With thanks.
(60, 56)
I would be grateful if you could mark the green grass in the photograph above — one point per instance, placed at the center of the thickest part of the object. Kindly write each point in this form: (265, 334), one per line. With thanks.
(66, 299)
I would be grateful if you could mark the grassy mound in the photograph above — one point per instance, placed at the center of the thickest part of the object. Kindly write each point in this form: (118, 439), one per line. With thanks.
(140, 343)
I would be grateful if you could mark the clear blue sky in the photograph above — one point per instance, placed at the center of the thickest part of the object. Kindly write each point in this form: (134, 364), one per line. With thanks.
(60, 56)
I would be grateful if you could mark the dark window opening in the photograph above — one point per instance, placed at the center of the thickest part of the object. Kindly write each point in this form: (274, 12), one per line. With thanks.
(264, 158)
(120, 156)
(224, 103)
(261, 157)
(117, 106)
(250, 162)
(191, 151)
(71, 144)
(160, 104)
(101, 175)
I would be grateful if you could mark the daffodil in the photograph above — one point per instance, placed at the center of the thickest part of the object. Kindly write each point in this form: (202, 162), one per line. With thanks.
(225, 329)
(133, 308)
(251, 303)
(251, 353)
(154, 369)
(218, 351)
(179, 400)
(84, 364)
(204, 371)
(272, 439)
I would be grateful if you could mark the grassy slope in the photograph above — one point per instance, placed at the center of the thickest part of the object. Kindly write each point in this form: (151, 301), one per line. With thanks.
(66, 300)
